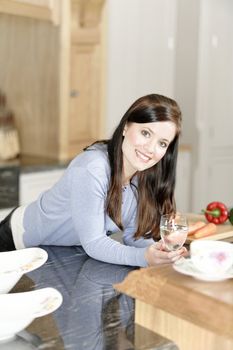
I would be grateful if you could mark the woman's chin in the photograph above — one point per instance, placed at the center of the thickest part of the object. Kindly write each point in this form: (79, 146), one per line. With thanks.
(144, 167)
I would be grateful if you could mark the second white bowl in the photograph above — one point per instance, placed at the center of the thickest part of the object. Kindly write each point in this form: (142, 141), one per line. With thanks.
(18, 310)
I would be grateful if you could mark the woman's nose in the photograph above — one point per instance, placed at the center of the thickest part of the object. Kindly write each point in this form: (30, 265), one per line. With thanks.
(150, 147)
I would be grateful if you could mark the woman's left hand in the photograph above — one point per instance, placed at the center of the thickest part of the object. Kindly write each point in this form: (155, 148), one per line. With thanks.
(183, 251)
(156, 254)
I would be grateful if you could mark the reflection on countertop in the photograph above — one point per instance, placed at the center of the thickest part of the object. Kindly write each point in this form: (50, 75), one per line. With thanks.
(93, 315)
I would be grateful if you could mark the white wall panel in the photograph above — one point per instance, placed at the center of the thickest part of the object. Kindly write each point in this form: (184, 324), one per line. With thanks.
(141, 52)
(214, 171)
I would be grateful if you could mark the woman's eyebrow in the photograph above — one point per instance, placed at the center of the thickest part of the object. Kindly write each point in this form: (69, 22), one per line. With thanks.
(166, 140)
(154, 133)
(150, 130)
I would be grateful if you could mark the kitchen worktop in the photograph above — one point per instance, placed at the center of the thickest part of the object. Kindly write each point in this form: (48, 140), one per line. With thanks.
(93, 315)
(12, 172)
(195, 314)
(30, 163)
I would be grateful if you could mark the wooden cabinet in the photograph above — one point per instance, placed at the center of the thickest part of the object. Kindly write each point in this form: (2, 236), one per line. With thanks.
(39, 9)
(85, 116)
(84, 98)
(53, 74)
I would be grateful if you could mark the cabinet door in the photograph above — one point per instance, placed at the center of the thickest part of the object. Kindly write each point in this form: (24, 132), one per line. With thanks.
(84, 121)
(38, 9)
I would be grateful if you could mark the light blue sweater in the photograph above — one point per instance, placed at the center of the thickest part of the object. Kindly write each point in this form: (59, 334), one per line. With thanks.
(73, 212)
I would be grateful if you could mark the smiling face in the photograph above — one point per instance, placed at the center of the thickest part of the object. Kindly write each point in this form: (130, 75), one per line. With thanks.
(144, 145)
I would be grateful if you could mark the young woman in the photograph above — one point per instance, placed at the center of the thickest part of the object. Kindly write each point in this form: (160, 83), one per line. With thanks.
(124, 183)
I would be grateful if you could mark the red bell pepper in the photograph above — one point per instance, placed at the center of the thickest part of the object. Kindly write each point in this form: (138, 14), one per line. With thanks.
(216, 212)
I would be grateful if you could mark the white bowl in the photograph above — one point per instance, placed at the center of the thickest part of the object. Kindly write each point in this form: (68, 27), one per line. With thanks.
(18, 310)
(212, 257)
(15, 263)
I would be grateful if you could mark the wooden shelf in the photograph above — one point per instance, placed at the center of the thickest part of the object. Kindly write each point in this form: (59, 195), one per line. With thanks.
(47, 10)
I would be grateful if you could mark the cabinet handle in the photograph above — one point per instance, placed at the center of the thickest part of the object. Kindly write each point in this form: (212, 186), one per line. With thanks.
(74, 93)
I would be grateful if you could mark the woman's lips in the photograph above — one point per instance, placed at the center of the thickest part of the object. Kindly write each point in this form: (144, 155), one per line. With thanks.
(142, 156)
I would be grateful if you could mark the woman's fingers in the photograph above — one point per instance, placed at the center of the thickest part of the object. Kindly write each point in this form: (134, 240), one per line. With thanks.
(155, 255)
(169, 254)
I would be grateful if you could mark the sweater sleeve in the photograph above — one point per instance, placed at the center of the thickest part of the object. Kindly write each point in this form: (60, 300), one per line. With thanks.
(88, 194)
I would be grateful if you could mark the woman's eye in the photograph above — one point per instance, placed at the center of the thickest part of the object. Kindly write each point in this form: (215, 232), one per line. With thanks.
(145, 133)
(163, 144)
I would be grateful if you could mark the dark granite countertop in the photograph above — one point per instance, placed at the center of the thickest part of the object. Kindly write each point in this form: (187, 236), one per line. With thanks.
(28, 164)
(11, 170)
(93, 315)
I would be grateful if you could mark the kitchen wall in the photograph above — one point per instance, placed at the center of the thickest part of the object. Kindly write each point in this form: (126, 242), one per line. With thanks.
(140, 52)
(141, 59)
(152, 47)
(182, 48)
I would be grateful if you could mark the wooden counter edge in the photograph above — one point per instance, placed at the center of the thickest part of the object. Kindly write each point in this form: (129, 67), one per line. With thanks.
(153, 286)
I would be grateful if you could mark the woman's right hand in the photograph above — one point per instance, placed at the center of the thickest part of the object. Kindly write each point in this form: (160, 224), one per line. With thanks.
(157, 254)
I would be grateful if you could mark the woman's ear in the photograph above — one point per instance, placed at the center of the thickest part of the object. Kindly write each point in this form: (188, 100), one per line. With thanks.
(125, 129)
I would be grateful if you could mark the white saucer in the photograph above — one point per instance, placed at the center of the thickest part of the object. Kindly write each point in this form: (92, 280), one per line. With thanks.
(186, 267)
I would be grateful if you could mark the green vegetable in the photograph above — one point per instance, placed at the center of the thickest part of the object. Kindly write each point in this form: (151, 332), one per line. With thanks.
(231, 216)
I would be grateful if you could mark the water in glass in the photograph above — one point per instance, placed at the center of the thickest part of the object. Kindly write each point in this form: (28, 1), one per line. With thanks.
(173, 230)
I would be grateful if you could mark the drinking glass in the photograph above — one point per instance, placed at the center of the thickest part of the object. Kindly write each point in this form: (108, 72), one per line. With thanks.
(173, 230)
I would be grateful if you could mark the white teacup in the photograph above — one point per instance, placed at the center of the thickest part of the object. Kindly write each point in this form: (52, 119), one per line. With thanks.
(211, 257)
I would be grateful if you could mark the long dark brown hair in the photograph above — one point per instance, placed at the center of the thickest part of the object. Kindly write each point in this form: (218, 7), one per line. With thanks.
(155, 186)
